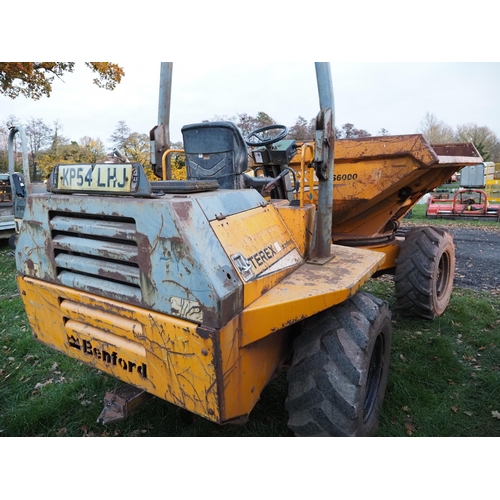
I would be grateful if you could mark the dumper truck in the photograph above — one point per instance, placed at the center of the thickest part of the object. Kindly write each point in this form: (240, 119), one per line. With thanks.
(199, 291)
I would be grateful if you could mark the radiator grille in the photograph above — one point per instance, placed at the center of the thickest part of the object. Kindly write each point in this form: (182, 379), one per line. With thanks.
(97, 254)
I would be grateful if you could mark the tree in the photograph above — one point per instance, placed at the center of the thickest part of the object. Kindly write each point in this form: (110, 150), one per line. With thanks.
(348, 131)
(435, 131)
(302, 130)
(485, 140)
(247, 123)
(120, 135)
(137, 148)
(383, 132)
(38, 135)
(58, 140)
(69, 152)
(34, 79)
(91, 150)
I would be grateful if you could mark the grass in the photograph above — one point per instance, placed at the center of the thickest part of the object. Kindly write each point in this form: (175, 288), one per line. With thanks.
(444, 379)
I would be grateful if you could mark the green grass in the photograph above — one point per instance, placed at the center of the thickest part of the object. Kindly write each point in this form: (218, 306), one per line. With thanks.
(445, 374)
(444, 379)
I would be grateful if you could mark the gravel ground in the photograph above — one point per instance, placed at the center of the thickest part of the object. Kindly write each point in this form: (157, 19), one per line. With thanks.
(477, 257)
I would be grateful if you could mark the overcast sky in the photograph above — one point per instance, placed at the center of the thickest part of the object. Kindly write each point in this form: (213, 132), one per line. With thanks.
(372, 96)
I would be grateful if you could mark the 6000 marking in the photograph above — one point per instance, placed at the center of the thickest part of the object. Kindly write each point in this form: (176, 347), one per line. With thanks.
(345, 177)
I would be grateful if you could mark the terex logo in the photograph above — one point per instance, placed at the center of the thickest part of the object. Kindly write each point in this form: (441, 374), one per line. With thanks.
(110, 358)
(267, 255)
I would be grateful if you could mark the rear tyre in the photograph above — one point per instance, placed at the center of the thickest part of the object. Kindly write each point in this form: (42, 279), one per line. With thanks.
(425, 269)
(337, 380)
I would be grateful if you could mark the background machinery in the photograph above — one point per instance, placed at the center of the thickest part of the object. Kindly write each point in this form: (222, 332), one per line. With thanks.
(18, 186)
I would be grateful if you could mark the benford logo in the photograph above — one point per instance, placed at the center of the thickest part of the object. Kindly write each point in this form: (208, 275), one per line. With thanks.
(110, 357)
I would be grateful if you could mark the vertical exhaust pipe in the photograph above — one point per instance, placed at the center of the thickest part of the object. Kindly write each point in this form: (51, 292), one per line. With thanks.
(160, 135)
(323, 160)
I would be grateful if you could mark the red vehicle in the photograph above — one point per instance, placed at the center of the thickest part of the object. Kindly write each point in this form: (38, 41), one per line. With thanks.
(465, 204)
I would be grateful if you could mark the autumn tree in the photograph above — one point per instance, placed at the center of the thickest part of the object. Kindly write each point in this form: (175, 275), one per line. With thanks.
(91, 150)
(137, 148)
(34, 79)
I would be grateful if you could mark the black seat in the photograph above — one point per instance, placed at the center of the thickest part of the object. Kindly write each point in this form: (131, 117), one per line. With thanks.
(215, 150)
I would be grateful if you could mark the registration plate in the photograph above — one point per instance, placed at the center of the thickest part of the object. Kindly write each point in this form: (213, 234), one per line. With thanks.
(98, 177)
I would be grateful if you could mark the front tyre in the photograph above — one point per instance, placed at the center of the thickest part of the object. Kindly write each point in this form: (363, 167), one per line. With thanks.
(425, 269)
(337, 380)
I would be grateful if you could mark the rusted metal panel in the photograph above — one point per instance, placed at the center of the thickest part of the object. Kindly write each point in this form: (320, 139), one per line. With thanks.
(160, 253)
(245, 371)
(378, 179)
(368, 148)
(103, 287)
(108, 229)
(227, 203)
(458, 154)
(260, 247)
(120, 402)
(160, 354)
(106, 250)
(308, 290)
(111, 270)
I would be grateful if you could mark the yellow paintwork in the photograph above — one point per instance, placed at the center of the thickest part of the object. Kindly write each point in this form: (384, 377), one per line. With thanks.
(247, 370)
(309, 290)
(179, 363)
(256, 342)
(391, 252)
(164, 161)
(219, 377)
(264, 242)
(300, 223)
(492, 189)
(369, 174)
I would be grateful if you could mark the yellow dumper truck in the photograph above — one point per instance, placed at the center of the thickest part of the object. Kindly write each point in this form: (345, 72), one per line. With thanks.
(199, 291)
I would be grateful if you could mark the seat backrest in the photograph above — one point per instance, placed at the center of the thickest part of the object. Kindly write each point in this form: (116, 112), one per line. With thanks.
(215, 150)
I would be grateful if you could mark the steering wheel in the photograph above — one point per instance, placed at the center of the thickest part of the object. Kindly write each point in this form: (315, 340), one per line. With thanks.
(260, 141)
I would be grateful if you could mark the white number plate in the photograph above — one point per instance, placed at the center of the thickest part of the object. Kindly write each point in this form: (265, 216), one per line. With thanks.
(102, 177)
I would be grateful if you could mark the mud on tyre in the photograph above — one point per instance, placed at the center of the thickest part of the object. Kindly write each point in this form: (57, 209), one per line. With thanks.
(425, 270)
(337, 380)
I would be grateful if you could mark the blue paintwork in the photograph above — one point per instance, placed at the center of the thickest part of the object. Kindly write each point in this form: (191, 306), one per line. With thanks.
(176, 251)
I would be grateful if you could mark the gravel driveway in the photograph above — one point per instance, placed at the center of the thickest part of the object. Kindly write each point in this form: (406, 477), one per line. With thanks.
(477, 259)
(477, 252)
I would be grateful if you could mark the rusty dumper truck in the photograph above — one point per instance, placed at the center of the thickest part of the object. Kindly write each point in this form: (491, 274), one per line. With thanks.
(199, 291)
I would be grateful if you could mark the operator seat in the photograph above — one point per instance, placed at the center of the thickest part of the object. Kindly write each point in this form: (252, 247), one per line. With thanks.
(215, 150)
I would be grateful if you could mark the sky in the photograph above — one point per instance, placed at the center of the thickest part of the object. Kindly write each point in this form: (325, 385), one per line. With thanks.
(371, 95)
